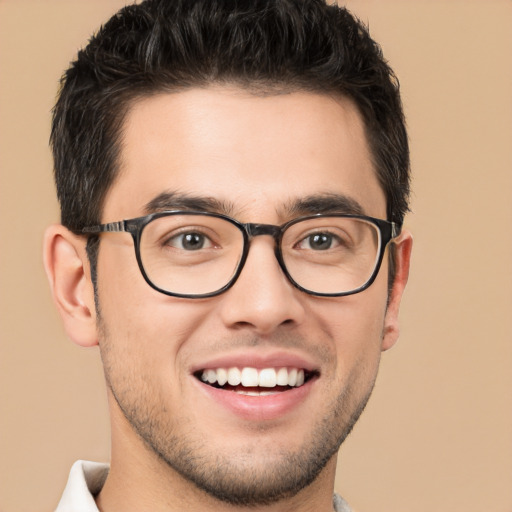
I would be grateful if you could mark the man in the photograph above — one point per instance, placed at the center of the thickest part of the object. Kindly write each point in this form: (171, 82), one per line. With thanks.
(233, 178)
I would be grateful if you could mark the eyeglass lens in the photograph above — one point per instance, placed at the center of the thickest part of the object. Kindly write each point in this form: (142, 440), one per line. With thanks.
(200, 254)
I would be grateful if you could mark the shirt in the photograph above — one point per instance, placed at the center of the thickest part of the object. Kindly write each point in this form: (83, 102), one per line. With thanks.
(87, 478)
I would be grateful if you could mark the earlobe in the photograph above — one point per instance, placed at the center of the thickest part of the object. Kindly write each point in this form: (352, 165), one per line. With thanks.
(403, 248)
(67, 269)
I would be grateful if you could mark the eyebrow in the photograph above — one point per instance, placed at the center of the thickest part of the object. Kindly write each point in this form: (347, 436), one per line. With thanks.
(323, 203)
(179, 201)
(316, 203)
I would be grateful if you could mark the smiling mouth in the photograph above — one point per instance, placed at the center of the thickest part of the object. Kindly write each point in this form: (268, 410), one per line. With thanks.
(254, 382)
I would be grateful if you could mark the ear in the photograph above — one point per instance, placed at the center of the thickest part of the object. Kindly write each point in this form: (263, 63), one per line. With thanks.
(403, 248)
(67, 268)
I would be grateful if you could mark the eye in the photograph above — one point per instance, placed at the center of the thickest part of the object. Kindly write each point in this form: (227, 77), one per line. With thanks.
(190, 241)
(319, 242)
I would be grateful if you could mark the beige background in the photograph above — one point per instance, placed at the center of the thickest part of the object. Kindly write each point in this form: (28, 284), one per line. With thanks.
(437, 435)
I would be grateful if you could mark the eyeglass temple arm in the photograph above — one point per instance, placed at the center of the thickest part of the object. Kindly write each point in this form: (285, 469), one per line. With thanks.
(105, 228)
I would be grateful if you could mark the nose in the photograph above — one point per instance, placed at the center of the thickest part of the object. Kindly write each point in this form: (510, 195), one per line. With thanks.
(262, 299)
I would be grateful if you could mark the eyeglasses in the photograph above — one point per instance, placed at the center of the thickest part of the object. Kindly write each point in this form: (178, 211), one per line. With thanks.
(196, 254)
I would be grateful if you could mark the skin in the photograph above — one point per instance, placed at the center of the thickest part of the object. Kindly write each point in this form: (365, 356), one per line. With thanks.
(257, 155)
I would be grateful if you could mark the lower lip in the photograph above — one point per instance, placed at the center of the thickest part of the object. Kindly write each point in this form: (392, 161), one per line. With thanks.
(258, 408)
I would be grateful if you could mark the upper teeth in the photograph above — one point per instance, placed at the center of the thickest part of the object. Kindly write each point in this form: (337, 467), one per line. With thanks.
(252, 377)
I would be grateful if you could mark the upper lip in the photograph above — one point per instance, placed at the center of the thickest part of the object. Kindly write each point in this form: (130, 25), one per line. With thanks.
(258, 360)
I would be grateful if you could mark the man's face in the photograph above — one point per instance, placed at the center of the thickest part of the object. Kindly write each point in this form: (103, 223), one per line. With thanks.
(257, 157)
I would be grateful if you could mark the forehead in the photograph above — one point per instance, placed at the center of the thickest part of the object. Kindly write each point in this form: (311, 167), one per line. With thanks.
(253, 153)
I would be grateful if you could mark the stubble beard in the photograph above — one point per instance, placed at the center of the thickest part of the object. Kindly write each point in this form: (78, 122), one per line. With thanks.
(248, 479)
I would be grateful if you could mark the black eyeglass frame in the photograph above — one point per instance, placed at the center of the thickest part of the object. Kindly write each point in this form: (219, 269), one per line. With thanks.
(388, 231)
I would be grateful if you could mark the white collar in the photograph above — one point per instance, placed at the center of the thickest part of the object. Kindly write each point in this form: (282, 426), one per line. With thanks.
(85, 481)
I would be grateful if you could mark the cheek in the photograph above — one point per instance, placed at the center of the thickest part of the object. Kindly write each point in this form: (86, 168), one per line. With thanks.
(143, 326)
(354, 326)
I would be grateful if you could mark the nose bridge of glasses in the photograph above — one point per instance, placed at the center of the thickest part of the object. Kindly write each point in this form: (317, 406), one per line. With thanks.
(262, 229)
(254, 230)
